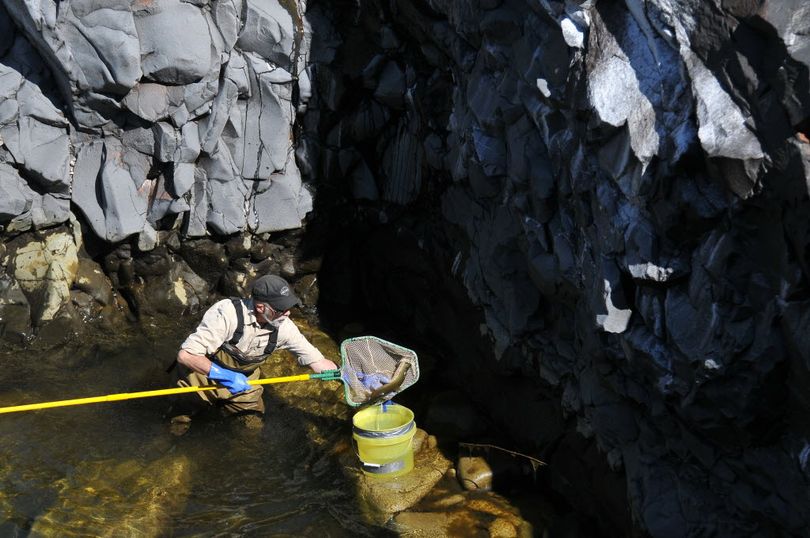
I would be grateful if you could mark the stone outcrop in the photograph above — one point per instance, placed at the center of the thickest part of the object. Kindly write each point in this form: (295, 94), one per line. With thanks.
(194, 123)
(132, 127)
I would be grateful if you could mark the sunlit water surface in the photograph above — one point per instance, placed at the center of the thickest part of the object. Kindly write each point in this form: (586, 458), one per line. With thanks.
(113, 469)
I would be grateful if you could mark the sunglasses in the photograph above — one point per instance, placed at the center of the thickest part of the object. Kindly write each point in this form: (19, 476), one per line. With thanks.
(270, 312)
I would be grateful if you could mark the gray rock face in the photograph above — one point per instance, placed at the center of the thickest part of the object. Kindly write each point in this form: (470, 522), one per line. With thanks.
(269, 31)
(264, 146)
(279, 203)
(635, 80)
(16, 196)
(23, 208)
(175, 42)
(621, 190)
(141, 83)
(402, 163)
(107, 193)
(33, 130)
(118, 110)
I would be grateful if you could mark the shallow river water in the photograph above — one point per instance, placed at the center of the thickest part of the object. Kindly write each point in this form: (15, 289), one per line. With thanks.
(114, 469)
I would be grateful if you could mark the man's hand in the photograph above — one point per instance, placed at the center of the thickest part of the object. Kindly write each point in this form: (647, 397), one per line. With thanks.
(235, 382)
(323, 365)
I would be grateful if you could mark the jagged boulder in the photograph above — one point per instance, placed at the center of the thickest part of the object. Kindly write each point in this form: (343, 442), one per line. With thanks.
(269, 30)
(178, 291)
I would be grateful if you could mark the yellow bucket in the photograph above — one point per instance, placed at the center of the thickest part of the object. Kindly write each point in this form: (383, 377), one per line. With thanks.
(384, 440)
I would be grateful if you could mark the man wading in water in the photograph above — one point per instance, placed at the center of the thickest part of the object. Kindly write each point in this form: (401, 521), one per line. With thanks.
(233, 339)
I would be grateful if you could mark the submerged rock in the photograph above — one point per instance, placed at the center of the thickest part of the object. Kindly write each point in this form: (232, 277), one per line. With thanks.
(474, 473)
(466, 514)
(110, 499)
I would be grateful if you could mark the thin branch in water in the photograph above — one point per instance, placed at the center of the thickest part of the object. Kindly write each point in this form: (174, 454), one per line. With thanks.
(534, 461)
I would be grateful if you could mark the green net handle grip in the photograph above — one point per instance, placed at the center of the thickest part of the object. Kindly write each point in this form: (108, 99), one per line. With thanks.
(327, 375)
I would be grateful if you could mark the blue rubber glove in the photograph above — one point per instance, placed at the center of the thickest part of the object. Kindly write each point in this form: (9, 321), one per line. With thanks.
(373, 381)
(233, 381)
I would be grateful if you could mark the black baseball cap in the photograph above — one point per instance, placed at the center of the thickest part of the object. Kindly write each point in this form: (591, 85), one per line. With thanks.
(275, 291)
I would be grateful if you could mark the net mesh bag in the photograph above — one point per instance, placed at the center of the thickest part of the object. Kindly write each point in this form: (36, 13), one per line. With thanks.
(369, 356)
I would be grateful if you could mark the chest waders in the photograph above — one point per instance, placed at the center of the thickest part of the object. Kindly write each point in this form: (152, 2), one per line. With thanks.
(229, 356)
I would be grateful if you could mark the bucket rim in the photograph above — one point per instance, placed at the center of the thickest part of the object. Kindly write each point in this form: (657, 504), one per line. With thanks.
(384, 434)
(392, 407)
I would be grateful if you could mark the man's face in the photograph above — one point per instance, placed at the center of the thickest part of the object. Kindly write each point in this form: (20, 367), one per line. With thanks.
(265, 313)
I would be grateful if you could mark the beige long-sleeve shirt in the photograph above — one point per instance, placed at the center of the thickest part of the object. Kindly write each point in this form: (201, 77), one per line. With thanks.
(219, 324)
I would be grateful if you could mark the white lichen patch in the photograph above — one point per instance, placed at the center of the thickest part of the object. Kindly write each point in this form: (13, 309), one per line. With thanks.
(180, 291)
(49, 267)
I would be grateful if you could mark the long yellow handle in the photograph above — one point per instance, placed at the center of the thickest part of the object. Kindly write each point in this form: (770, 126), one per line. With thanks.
(143, 394)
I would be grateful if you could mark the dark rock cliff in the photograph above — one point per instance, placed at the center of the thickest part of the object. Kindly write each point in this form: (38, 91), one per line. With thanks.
(619, 191)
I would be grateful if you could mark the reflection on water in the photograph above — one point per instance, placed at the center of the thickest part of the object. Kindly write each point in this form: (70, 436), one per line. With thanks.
(113, 469)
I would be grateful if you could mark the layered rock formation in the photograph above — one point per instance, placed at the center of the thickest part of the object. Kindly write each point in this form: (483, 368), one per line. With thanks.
(599, 206)
(133, 123)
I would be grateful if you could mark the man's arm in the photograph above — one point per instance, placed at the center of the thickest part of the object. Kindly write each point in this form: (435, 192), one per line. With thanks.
(307, 355)
(198, 363)
(211, 332)
(214, 329)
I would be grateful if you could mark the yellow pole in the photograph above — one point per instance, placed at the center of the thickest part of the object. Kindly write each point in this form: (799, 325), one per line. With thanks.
(144, 394)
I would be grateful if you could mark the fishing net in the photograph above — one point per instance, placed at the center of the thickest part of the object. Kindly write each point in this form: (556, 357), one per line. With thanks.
(374, 369)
